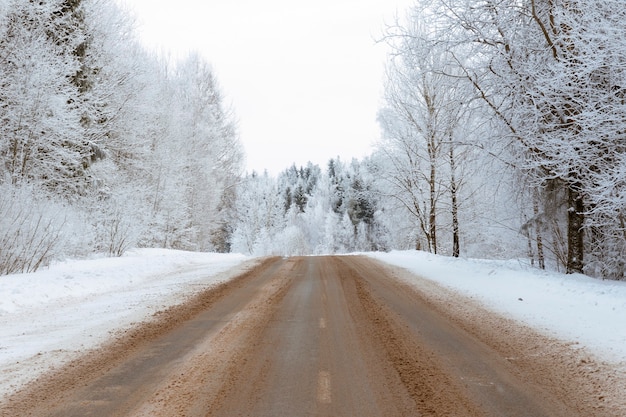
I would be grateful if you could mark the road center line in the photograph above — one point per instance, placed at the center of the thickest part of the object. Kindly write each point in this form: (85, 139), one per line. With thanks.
(323, 387)
(322, 323)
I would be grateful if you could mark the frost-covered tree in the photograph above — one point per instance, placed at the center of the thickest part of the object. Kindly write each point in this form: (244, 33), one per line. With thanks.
(40, 133)
(259, 215)
(104, 132)
(210, 148)
(307, 211)
(551, 76)
(425, 123)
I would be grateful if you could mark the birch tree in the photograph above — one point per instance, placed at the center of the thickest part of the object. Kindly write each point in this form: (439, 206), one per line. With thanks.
(420, 120)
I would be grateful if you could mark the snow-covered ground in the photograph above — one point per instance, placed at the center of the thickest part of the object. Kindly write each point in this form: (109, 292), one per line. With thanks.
(48, 316)
(572, 308)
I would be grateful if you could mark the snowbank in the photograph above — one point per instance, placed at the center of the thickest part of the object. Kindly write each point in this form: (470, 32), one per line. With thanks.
(48, 316)
(570, 307)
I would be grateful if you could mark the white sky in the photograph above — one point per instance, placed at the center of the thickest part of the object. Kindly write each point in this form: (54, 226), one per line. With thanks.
(304, 78)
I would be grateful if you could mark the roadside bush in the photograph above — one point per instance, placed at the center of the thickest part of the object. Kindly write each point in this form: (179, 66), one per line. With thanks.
(31, 229)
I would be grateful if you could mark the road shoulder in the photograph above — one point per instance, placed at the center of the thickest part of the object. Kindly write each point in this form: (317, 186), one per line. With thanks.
(569, 371)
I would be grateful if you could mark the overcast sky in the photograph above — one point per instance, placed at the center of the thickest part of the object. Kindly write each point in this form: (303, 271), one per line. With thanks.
(304, 78)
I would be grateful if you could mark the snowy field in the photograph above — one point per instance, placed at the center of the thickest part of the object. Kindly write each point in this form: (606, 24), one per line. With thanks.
(49, 316)
(572, 308)
(46, 318)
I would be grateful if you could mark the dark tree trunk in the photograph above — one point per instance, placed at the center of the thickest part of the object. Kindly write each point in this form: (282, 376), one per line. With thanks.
(540, 255)
(575, 234)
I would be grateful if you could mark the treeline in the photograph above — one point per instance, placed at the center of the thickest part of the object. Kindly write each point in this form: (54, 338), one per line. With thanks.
(503, 135)
(103, 146)
(356, 206)
(306, 210)
(539, 86)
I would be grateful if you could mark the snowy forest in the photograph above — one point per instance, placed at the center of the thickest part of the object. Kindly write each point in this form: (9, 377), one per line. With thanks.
(103, 146)
(503, 135)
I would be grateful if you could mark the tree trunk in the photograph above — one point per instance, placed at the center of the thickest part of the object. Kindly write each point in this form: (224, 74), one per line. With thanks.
(540, 255)
(575, 220)
(433, 197)
(531, 254)
(456, 250)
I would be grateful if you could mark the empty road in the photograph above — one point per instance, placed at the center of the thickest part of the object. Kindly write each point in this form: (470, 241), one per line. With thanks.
(321, 336)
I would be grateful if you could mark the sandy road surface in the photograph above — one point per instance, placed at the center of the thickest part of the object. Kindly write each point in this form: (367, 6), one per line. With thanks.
(325, 336)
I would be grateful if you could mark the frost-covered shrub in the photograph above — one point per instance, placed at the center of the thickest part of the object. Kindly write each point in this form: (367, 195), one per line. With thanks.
(117, 223)
(31, 229)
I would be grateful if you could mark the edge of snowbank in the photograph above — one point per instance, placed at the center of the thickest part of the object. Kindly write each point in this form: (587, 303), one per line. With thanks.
(80, 278)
